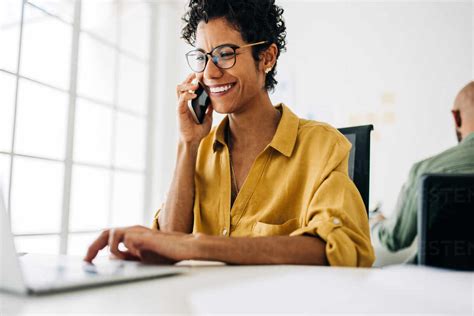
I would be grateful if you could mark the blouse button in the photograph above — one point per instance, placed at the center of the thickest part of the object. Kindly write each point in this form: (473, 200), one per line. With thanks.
(224, 232)
(336, 221)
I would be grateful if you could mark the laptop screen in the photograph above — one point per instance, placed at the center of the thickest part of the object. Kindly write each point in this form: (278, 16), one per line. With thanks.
(447, 216)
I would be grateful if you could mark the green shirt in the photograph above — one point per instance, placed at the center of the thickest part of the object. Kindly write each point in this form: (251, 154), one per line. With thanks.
(399, 231)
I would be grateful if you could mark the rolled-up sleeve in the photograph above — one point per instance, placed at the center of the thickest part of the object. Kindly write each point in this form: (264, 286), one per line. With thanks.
(337, 215)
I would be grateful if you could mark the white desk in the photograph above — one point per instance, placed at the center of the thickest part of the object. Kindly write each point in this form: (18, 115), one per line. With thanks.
(271, 289)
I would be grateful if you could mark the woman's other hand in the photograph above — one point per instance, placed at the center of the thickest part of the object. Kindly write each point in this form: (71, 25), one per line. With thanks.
(145, 245)
(113, 238)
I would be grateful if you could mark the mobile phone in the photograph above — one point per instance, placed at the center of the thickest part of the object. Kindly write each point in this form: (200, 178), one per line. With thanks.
(199, 105)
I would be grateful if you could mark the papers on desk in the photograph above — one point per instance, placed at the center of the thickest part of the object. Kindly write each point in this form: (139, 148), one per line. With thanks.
(199, 263)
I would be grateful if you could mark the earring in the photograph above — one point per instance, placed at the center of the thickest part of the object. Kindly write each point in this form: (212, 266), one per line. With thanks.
(268, 70)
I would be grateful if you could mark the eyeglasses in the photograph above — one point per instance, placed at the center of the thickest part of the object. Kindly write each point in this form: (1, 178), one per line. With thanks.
(222, 56)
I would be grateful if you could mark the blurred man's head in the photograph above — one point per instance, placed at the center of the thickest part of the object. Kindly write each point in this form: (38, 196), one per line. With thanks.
(463, 111)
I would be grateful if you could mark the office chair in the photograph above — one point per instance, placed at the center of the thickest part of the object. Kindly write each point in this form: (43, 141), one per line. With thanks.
(359, 158)
(445, 221)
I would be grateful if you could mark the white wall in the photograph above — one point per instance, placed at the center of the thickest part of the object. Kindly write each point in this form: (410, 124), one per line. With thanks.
(395, 64)
(170, 66)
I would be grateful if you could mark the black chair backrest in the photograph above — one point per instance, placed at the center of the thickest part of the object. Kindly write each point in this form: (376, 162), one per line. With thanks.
(445, 221)
(359, 159)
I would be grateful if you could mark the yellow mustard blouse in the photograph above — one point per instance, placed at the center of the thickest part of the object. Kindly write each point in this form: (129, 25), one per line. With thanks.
(298, 185)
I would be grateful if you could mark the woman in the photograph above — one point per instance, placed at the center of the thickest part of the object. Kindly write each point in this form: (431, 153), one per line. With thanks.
(264, 186)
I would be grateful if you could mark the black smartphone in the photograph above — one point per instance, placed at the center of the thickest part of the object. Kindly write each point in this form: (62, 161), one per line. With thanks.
(199, 105)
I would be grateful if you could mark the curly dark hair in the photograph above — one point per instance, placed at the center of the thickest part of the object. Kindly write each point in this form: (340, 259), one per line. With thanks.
(256, 20)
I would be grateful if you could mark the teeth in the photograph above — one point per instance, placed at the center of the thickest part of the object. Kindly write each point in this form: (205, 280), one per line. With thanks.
(221, 88)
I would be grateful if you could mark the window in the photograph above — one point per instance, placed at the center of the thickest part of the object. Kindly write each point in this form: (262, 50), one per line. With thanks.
(73, 118)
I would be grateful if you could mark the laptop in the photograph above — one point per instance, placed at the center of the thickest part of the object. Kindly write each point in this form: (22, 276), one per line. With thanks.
(35, 274)
(445, 218)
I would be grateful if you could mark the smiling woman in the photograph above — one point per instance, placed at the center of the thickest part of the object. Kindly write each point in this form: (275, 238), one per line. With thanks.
(264, 186)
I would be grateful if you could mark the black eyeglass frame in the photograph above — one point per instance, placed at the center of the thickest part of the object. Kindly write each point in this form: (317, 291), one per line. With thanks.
(215, 59)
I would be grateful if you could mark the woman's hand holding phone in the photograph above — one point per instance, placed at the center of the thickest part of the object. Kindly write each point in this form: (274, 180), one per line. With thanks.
(190, 131)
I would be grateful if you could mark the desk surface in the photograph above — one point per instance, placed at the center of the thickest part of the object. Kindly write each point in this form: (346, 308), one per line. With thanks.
(271, 289)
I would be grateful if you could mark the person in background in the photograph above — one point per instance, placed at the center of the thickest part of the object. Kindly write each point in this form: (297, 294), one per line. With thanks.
(262, 187)
(399, 231)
